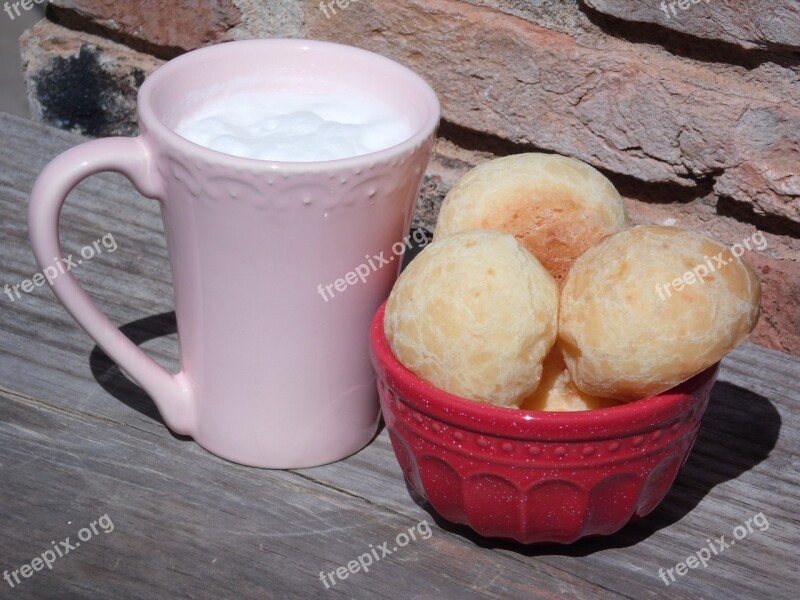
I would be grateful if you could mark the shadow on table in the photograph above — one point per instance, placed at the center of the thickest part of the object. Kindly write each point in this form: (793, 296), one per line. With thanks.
(739, 430)
(111, 378)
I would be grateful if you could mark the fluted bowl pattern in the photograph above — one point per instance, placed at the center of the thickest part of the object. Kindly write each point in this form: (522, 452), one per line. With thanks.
(536, 477)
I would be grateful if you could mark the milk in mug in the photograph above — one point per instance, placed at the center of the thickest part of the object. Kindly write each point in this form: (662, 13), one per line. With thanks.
(297, 127)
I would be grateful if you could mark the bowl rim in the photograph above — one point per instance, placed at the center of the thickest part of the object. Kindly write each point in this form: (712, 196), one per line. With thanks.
(648, 414)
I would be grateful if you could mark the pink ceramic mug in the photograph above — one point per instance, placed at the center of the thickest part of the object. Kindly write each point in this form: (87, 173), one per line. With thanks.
(272, 374)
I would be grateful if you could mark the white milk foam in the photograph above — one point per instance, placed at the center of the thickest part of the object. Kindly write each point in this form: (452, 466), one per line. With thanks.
(295, 127)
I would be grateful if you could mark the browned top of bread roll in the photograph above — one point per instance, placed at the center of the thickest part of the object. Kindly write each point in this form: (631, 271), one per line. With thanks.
(556, 206)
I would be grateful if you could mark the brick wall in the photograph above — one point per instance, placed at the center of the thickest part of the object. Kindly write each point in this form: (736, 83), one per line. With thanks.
(692, 107)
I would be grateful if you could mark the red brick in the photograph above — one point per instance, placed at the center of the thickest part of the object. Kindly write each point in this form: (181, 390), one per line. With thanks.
(773, 24)
(173, 26)
(655, 118)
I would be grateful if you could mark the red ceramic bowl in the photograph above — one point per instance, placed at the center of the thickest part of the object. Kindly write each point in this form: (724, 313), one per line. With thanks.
(536, 476)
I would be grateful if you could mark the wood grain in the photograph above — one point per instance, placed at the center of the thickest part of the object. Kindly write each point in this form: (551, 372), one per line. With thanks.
(78, 440)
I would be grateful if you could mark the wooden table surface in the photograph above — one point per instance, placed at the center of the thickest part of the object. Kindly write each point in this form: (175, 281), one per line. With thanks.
(82, 447)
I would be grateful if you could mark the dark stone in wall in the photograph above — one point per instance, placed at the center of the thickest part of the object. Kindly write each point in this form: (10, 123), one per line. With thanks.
(75, 93)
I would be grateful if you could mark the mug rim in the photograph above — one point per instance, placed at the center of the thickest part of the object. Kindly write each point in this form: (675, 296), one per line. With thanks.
(152, 124)
(614, 422)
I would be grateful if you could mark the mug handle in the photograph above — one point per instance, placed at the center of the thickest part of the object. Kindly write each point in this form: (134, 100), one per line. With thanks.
(131, 157)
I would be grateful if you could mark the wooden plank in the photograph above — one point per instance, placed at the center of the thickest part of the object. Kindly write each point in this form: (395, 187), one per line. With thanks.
(189, 525)
(71, 447)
